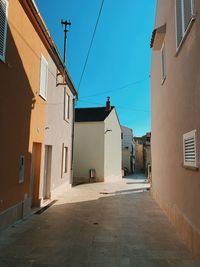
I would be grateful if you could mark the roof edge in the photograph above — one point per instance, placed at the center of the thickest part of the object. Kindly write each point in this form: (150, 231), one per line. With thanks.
(54, 50)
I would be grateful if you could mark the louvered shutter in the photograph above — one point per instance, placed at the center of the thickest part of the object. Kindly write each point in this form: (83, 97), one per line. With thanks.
(189, 147)
(3, 27)
(43, 77)
(179, 22)
(188, 12)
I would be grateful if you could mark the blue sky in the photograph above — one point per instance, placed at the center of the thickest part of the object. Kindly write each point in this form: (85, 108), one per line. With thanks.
(119, 61)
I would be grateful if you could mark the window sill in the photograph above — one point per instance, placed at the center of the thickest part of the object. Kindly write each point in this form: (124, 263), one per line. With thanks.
(44, 98)
(163, 80)
(190, 168)
(185, 35)
(2, 59)
(67, 120)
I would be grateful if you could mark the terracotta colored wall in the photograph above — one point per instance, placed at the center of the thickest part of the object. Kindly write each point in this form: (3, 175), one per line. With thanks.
(175, 111)
(21, 121)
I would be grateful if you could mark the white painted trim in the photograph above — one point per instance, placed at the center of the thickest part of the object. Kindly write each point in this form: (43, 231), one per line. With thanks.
(43, 59)
(191, 134)
(184, 32)
(163, 63)
(67, 118)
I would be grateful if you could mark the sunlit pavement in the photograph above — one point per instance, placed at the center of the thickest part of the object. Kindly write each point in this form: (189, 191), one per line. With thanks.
(102, 224)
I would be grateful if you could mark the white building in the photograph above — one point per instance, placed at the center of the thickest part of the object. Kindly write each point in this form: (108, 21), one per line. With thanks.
(97, 144)
(128, 150)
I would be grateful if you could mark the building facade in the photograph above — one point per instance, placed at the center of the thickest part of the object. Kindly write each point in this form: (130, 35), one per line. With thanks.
(139, 154)
(128, 150)
(97, 145)
(28, 60)
(175, 94)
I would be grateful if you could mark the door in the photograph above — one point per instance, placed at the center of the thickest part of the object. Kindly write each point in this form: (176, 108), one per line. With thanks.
(47, 172)
(35, 174)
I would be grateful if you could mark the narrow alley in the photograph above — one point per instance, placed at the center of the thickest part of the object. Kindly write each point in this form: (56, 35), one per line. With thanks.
(98, 224)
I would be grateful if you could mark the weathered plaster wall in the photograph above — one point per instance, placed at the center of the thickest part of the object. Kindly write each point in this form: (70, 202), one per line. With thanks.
(175, 111)
(112, 147)
(58, 131)
(88, 150)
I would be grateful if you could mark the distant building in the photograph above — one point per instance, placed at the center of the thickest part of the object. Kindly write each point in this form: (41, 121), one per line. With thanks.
(143, 153)
(139, 154)
(97, 144)
(175, 96)
(128, 150)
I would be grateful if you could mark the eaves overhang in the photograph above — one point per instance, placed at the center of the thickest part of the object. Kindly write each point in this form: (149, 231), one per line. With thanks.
(37, 20)
(157, 38)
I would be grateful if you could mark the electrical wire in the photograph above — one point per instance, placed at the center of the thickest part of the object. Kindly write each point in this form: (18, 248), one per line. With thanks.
(118, 107)
(91, 43)
(117, 89)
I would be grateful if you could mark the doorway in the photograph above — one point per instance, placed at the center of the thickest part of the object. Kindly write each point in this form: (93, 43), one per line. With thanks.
(47, 172)
(35, 174)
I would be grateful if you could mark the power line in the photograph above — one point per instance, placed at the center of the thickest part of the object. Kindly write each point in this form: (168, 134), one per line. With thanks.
(118, 107)
(117, 89)
(88, 54)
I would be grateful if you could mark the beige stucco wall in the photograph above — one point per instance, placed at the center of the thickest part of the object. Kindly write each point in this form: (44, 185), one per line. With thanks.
(139, 157)
(88, 150)
(112, 146)
(126, 161)
(57, 132)
(175, 111)
(127, 148)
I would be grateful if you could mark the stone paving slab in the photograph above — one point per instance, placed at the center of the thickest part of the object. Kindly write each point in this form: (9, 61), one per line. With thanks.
(124, 228)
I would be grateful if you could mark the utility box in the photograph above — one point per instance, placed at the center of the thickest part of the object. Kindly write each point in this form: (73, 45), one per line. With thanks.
(92, 175)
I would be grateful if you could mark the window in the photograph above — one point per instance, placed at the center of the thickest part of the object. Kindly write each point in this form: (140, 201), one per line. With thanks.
(66, 105)
(3, 28)
(184, 15)
(163, 63)
(43, 77)
(64, 159)
(21, 168)
(189, 149)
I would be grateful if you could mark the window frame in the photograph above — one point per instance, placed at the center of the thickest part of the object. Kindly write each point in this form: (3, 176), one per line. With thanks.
(184, 31)
(66, 105)
(65, 153)
(43, 61)
(163, 63)
(3, 57)
(186, 136)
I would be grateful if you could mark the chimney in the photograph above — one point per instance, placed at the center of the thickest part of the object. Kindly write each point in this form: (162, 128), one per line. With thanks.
(108, 107)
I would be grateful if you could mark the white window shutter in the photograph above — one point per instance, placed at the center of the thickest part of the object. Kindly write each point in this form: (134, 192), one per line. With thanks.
(163, 63)
(3, 27)
(43, 77)
(189, 148)
(188, 12)
(179, 21)
(66, 105)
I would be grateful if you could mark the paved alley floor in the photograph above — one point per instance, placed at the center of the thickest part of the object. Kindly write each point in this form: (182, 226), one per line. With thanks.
(97, 225)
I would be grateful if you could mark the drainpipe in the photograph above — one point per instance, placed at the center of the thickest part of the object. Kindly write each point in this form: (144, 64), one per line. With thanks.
(72, 145)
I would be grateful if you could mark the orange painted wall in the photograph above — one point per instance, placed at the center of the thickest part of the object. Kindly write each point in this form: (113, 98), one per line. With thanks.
(22, 121)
